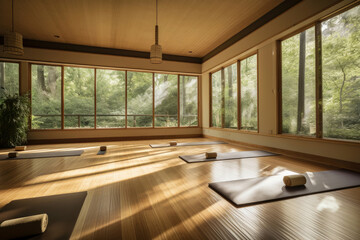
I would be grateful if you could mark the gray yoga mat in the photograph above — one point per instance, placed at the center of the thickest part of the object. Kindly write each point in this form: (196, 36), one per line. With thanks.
(186, 144)
(226, 156)
(29, 154)
(257, 190)
(63, 211)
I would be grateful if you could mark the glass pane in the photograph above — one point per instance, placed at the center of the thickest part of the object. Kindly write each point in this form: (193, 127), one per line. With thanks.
(110, 98)
(188, 101)
(45, 97)
(216, 99)
(298, 84)
(79, 97)
(166, 100)
(139, 99)
(249, 96)
(230, 98)
(341, 75)
(9, 79)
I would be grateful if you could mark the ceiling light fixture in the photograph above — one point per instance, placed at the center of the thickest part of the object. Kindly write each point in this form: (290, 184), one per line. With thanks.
(156, 51)
(13, 41)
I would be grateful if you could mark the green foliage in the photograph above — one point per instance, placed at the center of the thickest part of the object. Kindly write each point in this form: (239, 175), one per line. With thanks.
(14, 114)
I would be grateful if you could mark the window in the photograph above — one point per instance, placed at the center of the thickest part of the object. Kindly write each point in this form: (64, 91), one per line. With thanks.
(230, 96)
(341, 75)
(110, 98)
(298, 83)
(188, 101)
(79, 104)
(166, 100)
(225, 97)
(248, 76)
(338, 80)
(216, 99)
(139, 99)
(9, 78)
(46, 97)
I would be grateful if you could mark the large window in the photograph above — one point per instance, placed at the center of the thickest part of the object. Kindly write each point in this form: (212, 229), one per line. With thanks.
(79, 100)
(110, 98)
(334, 112)
(65, 97)
(139, 99)
(9, 79)
(230, 96)
(248, 83)
(298, 83)
(166, 100)
(46, 97)
(216, 99)
(226, 111)
(188, 101)
(341, 75)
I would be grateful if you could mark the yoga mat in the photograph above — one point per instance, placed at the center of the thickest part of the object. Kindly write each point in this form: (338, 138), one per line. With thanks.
(63, 211)
(186, 144)
(29, 154)
(257, 190)
(226, 156)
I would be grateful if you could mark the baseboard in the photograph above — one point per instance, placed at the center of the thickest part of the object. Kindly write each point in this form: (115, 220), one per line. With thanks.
(108, 139)
(298, 155)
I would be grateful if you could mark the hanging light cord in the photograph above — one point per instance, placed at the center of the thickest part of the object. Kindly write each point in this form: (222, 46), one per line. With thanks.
(156, 26)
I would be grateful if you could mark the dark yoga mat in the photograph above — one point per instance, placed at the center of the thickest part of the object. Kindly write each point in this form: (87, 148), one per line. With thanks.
(186, 144)
(226, 156)
(63, 211)
(29, 154)
(257, 190)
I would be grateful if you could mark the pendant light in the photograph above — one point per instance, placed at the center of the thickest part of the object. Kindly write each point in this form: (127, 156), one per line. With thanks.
(13, 41)
(156, 51)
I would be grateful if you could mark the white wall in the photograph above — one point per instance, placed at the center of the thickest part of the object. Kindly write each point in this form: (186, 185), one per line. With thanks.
(263, 40)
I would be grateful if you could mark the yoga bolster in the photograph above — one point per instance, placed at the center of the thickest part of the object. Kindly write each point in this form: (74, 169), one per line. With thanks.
(102, 148)
(173, 143)
(294, 180)
(20, 148)
(12, 154)
(210, 155)
(23, 227)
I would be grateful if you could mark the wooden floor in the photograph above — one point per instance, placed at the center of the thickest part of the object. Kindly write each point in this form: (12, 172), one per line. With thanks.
(136, 192)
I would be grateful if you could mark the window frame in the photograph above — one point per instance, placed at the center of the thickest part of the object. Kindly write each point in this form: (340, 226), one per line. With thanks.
(318, 80)
(238, 68)
(95, 68)
(19, 72)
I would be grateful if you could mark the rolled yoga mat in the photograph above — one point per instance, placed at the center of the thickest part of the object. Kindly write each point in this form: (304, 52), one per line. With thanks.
(63, 211)
(249, 191)
(210, 155)
(24, 227)
(186, 144)
(20, 148)
(47, 154)
(226, 156)
(294, 180)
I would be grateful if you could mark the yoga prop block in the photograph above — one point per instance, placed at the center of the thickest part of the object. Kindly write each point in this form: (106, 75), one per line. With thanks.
(23, 227)
(173, 143)
(210, 155)
(102, 148)
(12, 154)
(294, 180)
(20, 148)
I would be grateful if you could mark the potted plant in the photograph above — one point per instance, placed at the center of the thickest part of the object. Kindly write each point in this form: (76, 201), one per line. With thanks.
(14, 115)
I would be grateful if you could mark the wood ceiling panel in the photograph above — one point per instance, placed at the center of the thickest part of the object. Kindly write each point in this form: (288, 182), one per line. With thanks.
(187, 25)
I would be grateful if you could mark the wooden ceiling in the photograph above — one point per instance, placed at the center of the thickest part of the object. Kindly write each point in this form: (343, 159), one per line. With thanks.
(198, 26)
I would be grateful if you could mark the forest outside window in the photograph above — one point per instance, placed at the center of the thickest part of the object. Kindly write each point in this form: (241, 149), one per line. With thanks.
(225, 96)
(338, 79)
(9, 79)
(105, 98)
